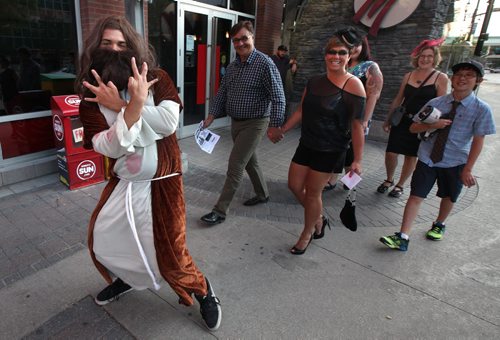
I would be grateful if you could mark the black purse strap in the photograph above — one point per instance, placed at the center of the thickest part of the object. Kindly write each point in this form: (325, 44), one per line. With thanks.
(406, 100)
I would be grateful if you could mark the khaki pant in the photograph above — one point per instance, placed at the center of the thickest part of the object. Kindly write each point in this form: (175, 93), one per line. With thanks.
(246, 135)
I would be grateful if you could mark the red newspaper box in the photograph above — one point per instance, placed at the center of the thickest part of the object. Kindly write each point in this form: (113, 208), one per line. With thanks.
(78, 167)
(68, 129)
(80, 170)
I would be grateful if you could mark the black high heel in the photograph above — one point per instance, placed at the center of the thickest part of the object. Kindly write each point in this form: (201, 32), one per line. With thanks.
(296, 251)
(326, 222)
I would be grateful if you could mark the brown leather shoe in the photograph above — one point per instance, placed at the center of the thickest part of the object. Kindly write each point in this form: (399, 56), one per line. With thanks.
(256, 200)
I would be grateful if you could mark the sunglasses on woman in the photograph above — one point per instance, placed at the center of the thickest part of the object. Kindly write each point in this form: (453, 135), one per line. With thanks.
(339, 52)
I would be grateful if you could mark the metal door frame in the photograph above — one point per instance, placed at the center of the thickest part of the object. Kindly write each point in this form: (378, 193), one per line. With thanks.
(185, 131)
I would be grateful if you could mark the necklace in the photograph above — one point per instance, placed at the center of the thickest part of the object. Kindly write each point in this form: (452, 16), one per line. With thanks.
(418, 81)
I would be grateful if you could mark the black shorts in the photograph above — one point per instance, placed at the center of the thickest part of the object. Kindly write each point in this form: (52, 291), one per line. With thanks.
(322, 161)
(448, 181)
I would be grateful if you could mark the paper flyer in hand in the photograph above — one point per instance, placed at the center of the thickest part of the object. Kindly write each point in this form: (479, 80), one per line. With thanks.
(205, 138)
(351, 179)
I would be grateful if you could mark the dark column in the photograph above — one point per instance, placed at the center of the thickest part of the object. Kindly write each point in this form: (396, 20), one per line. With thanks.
(268, 25)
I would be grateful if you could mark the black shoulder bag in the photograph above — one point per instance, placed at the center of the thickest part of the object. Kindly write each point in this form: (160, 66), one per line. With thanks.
(398, 113)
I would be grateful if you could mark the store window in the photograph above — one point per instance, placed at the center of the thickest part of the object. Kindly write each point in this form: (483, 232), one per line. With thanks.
(162, 34)
(38, 52)
(245, 6)
(38, 57)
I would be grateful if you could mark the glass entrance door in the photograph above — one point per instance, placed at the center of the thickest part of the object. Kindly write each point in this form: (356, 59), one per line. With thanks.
(205, 50)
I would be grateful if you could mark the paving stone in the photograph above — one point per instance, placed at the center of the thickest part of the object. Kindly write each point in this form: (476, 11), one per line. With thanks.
(11, 250)
(51, 247)
(72, 234)
(71, 250)
(83, 320)
(41, 264)
(7, 267)
(11, 279)
(27, 271)
(25, 259)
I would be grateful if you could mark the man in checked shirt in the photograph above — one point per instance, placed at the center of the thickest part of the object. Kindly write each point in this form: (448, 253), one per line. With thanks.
(251, 93)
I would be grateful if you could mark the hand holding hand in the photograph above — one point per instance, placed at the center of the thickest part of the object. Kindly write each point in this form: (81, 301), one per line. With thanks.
(275, 134)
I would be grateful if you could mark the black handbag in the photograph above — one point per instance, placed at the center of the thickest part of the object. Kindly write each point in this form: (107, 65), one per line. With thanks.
(348, 212)
(397, 115)
(400, 111)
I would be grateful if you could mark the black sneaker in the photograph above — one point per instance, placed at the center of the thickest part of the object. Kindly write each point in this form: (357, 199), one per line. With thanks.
(210, 308)
(112, 292)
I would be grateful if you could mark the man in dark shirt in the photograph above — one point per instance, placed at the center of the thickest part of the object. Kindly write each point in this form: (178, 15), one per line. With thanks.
(251, 93)
(283, 62)
(287, 67)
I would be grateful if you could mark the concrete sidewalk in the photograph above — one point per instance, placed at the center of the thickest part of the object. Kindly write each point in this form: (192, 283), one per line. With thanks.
(347, 285)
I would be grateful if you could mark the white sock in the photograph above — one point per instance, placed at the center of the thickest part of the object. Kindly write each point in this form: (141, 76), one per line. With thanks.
(405, 236)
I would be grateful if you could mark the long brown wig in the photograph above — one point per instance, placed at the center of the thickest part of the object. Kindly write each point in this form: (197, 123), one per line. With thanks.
(142, 51)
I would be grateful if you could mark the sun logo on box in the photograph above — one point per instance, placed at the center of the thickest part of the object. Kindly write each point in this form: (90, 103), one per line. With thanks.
(86, 170)
(58, 127)
(72, 100)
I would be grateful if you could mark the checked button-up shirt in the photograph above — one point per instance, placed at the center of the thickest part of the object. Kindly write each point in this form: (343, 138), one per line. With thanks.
(251, 89)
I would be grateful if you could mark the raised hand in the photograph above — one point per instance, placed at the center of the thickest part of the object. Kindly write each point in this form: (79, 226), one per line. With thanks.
(105, 94)
(138, 84)
(138, 87)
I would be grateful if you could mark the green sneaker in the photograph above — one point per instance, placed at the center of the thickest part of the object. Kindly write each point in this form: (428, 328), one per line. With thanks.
(436, 232)
(395, 242)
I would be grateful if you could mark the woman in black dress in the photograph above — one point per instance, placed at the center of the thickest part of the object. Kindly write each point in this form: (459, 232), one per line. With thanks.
(331, 112)
(425, 57)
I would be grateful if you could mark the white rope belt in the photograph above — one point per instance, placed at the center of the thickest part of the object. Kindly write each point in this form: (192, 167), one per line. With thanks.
(131, 221)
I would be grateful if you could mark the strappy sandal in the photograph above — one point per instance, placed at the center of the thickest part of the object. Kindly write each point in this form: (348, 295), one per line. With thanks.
(329, 186)
(397, 191)
(382, 188)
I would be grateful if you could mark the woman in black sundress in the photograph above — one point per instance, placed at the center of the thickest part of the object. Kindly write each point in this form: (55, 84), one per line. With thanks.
(425, 58)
